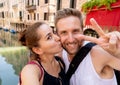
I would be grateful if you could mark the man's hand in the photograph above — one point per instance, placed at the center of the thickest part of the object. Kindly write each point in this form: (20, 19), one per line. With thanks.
(110, 41)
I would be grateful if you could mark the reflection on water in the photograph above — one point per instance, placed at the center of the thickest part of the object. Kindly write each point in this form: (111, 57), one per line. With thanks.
(11, 62)
(0, 81)
(7, 73)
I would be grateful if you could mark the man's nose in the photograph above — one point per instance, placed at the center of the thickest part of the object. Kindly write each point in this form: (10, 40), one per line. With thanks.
(70, 37)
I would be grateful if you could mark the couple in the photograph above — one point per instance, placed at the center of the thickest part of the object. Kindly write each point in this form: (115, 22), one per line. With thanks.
(47, 69)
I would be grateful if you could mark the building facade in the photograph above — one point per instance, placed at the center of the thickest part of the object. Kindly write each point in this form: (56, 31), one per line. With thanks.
(19, 14)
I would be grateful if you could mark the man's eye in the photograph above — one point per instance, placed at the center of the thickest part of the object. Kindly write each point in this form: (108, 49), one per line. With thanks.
(62, 33)
(76, 31)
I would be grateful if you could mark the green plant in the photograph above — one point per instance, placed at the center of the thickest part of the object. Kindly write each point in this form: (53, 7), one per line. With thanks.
(16, 56)
(88, 6)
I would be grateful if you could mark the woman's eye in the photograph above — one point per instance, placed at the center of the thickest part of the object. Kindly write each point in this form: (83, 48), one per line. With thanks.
(49, 37)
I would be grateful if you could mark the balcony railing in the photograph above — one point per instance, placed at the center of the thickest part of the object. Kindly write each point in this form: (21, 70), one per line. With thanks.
(31, 8)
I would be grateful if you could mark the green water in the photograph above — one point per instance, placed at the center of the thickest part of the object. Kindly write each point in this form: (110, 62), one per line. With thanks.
(12, 60)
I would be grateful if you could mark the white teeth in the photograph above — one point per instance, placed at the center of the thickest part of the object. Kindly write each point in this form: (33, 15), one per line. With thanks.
(71, 45)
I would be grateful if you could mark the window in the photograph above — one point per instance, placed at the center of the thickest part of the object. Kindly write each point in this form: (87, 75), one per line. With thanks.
(3, 15)
(38, 3)
(28, 2)
(72, 3)
(46, 1)
(37, 16)
(20, 15)
(58, 4)
(32, 2)
(28, 17)
(1, 4)
(34, 16)
(46, 16)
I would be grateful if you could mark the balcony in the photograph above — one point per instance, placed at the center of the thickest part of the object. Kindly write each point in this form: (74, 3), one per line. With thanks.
(31, 8)
(17, 20)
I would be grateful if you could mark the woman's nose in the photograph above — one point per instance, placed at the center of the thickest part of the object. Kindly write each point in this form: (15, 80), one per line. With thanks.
(57, 38)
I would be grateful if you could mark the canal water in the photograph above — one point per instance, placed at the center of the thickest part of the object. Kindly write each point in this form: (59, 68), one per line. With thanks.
(7, 73)
(12, 60)
(13, 57)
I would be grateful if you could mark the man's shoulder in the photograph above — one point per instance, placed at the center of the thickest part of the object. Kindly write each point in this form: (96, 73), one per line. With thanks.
(85, 42)
(64, 53)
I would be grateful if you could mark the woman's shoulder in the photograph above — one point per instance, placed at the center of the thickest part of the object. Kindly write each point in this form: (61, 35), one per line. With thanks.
(30, 73)
(29, 69)
(32, 67)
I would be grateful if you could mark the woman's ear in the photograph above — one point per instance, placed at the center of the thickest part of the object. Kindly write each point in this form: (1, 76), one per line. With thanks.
(37, 50)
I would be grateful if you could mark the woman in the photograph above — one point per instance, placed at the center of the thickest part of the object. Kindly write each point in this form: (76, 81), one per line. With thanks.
(44, 68)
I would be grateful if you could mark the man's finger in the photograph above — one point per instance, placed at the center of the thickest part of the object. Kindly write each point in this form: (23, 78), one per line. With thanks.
(118, 35)
(115, 33)
(96, 27)
(113, 42)
(92, 39)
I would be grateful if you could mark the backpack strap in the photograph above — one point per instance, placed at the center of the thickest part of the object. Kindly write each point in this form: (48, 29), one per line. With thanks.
(78, 58)
(117, 74)
(61, 62)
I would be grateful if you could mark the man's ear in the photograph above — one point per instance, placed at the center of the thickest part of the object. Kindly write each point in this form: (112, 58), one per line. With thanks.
(37, 50)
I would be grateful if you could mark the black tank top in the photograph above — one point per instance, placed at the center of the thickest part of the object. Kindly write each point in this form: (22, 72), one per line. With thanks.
(51, 80)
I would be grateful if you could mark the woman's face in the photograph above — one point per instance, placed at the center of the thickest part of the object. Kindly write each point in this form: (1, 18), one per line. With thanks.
(49, 42)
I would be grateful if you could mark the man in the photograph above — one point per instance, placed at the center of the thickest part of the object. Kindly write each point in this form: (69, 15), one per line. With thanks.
(97, 67)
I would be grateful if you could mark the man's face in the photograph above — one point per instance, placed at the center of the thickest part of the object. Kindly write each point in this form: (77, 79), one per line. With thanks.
(69, 30)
